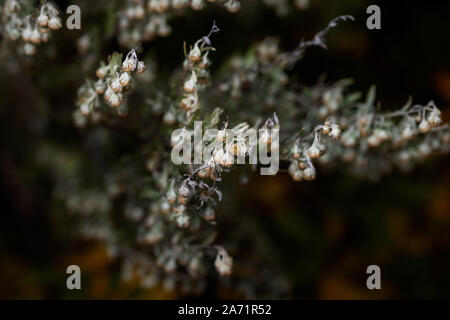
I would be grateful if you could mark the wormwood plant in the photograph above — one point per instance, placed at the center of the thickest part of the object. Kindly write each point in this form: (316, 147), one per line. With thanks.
(158, 218)
(27, 26)
(172, 208)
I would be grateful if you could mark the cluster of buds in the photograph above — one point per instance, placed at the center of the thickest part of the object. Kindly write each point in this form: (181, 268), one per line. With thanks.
(142, 21)
(114, 81)
(374, 129)
(30, 28)
(301, 154)
(196, 63)
(415, 136)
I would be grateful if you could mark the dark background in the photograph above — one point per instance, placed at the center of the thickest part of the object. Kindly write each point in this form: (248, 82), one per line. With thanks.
(325, 232)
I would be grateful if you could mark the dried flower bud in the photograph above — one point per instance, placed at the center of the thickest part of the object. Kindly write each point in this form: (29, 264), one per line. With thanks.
(233, 6)
(373, 141)
(424, 126)
(197, 4)
(54, 23)
(100, 86)
(381, 134)
(116, 86)
(190, 85)
(189, 102)
(184, 194)
(434, 119)
(169, 117)
(42, 20)
(265, 137)
(296, 151)
(195, 53)
(204, 62)
(27, 33)
(223, 158)
(130, 63)
(125, 79)
(29, 49)
(313, 151)
(171, 195)
(335, 132)
(85, 109)
(309, 173)
(182, 220)
(209, 214)
(115, 99)
(141, 67)
(297, 175)
(102, 72)
(223, 262)
(409, 131)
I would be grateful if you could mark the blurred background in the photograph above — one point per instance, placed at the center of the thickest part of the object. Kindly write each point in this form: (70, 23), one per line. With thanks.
(322, 235)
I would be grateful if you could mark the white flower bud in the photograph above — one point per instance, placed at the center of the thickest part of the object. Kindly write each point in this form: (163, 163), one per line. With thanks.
(116, 86)
(125, 79)
(313, 151)
(373, 141)
(381, 134)
(165, 207)
(409, 132)
(209, 214)
(130, 63)
(184, 194)
(141, 67)
(223, 262)
(115, 99)
(335, 132)
(189, 102)
(54, 23)
(424, 126)
(182, 220)
(424, 149)
(265, 137)
(197, 4)
(100, 86)
(42, 20)
(195, 53)
(108, 92)
(233, 6)
(29, 49)
(190, 85)
(170, 265)
(26, 34)
(309, 173)
(171, 194)
(102, 72)
(169, 117)
(296, 174)
(434, 119)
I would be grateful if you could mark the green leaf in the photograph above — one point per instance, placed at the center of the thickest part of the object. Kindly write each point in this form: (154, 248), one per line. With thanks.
(371, 96)
(115, 60)
(150, 194)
